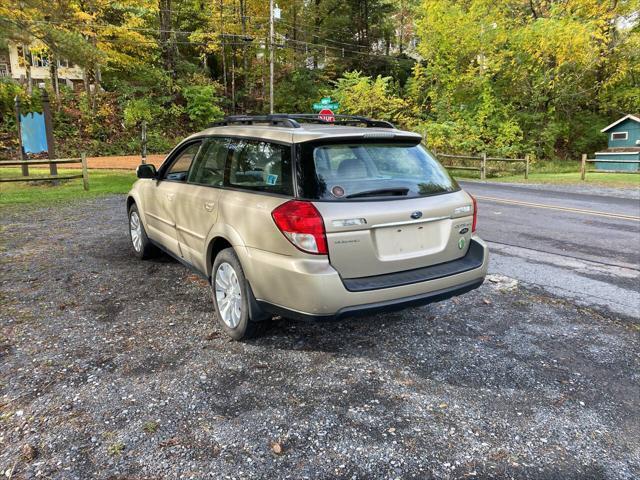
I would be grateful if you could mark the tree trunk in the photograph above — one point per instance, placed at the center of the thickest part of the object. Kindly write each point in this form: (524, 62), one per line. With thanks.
(53, 73)
(317, 21)
(233, 79)
(167, 43)
(26, 56)
(87, 85)
(224, 50)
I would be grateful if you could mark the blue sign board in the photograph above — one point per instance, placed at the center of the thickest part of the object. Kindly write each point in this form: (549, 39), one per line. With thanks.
(34, 133)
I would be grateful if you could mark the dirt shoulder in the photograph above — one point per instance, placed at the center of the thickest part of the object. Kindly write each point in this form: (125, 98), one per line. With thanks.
(114, 368)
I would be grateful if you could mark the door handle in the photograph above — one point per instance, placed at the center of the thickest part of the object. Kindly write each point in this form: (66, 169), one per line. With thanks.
(171, 196)
(208, 206)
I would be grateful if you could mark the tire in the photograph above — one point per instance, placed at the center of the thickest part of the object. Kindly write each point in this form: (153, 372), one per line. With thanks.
(140, 243)
(228, 282)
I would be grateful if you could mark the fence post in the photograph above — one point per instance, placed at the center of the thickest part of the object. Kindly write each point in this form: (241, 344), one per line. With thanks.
(85, 173)
(483, 167)
(23, 156)
(143, 138)
(583, 167)
(526, 167)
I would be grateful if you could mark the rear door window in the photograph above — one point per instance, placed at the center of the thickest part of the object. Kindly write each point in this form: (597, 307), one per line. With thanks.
(261, 166)
(208, 169)
(346, 171)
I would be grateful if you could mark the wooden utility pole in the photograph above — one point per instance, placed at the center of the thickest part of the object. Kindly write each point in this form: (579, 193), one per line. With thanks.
(271, 56)
(526, 167)
(48, 127)
(583, 167)
(483, 167)
(245, 66)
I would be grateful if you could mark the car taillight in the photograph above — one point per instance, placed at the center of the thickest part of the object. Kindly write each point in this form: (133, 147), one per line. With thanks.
(303, 226)
(475, 213)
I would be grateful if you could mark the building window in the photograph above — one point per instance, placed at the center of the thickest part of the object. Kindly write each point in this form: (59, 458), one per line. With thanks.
(619, 135)
(4, 70)
(39, 59)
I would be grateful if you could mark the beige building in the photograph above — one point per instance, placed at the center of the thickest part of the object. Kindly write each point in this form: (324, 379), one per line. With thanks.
(13, 61)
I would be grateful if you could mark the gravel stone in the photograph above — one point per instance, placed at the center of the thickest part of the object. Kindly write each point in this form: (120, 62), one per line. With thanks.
(504, 382)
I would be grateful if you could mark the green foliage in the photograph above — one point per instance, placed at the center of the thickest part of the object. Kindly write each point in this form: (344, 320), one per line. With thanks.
(138, 110)
(523, 77)
(202, 106)
(507, 78)
(300, 91)
(371, 97)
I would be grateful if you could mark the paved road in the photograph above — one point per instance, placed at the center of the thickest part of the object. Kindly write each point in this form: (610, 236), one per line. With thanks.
(581, 245)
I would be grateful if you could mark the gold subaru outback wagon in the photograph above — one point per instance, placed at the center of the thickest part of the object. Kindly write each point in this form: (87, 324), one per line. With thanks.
(294, 216)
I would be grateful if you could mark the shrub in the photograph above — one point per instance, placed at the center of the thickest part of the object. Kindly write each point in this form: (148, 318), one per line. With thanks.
(202, 105)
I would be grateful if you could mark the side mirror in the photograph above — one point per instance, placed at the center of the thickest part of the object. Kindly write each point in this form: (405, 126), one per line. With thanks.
(146, 171)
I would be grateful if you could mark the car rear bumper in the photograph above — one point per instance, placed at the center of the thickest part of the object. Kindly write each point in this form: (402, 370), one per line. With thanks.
(311, 288)
(378, 307)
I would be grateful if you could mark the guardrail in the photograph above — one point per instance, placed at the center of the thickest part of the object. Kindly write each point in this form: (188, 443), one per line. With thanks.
(585, 160)
(51, 178)
(483, 159)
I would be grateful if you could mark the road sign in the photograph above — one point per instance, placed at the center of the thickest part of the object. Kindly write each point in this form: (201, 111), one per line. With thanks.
(327, 103)
(327, 115)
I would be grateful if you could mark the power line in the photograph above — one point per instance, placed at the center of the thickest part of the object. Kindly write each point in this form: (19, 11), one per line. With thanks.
(218, 41)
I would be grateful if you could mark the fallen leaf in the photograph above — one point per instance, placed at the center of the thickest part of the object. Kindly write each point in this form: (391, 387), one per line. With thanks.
(28, 452)
(276, 447)
(487, 301)
(169, 442)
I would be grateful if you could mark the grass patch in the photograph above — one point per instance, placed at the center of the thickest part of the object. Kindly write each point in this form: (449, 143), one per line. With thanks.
(150, 427)
(115, 449)
(625, 180)
(101, 182)
(554, 172)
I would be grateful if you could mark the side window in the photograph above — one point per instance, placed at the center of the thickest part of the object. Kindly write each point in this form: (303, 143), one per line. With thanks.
(180, 167)
(208, 168)
(260, 166)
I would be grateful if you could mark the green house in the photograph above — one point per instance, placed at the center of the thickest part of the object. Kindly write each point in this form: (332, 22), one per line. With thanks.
(624, 145)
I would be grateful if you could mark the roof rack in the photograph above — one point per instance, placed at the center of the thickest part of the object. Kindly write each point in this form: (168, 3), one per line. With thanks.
(293, 120)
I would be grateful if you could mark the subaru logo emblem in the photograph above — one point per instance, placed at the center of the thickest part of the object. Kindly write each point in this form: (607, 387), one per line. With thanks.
(416, 215)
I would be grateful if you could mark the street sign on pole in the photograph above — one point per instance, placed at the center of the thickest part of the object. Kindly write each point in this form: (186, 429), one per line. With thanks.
(326, 103)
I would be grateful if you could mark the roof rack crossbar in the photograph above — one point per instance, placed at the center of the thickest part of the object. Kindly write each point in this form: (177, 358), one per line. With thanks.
(253, 119)
(290, 120)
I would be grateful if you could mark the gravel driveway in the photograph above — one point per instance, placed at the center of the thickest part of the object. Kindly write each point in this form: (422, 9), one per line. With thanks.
(114, 368)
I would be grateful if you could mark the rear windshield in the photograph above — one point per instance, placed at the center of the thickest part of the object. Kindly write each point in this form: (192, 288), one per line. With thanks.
(361, 171)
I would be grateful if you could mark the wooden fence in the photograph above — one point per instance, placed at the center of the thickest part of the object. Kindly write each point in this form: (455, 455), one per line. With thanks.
(482, 160)
(51, 178)
(585, 160)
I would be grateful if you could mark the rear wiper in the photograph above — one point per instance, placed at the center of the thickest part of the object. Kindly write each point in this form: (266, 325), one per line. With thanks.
(380, 191)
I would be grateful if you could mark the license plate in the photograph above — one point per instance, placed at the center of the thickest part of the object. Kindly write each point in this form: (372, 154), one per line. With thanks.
(411, 240)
